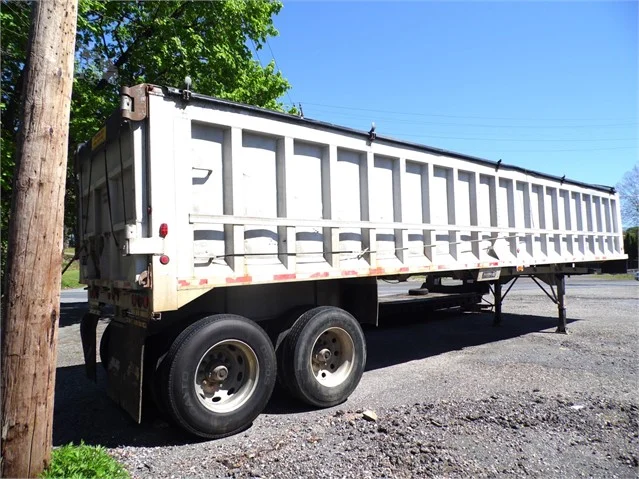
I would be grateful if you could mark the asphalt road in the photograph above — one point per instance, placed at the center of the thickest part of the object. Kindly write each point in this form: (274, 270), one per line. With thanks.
(73, 296)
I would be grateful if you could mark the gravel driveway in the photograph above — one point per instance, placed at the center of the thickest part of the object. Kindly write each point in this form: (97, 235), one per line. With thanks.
(454, 397)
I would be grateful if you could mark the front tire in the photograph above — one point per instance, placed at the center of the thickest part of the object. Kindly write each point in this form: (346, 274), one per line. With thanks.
(324, 356)
(220, 375)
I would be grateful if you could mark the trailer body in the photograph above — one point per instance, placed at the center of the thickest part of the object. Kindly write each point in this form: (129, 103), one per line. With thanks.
(190, 204)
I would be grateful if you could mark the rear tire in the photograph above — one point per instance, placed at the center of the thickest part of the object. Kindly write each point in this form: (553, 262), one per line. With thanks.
(220, 373)
(323, 356)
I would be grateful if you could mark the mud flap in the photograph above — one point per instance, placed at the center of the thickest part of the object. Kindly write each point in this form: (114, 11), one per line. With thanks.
(88, 327)
(125, 366)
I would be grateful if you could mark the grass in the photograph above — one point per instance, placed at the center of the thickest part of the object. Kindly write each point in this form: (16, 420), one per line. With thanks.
(71, 277)
(614, 277)
(83, 462)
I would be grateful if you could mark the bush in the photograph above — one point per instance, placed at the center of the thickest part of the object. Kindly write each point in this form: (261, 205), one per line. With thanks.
(83, 462)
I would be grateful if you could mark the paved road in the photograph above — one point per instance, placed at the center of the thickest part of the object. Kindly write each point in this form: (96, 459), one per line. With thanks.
(73, 295)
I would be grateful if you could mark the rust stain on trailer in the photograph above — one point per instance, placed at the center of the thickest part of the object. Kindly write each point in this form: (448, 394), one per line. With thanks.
(349, 273)
(284, 277)
(239, 279)
(323, 274)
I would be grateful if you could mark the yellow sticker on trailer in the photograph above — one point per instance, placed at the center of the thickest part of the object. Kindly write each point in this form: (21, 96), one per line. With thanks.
(98, 138)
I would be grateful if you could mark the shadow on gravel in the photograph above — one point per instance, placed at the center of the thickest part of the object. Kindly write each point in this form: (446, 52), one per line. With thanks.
(441, 332)
(84, 412)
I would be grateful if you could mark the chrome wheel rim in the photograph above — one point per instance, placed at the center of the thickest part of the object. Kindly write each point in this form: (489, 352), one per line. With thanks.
(332, 357)
(226, 376)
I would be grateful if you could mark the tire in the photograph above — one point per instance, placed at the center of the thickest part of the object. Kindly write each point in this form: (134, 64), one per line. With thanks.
(286, 322)
(220, 373)
(323, 356)
(104, 347)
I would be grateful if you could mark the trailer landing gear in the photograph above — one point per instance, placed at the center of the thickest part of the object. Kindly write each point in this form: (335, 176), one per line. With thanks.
(499, 298)
(557, 297)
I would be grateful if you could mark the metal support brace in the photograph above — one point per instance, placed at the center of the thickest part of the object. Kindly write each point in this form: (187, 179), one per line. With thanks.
(553, 296)
(558, 298)
(509, 287)
(498, 299)
(561, 305)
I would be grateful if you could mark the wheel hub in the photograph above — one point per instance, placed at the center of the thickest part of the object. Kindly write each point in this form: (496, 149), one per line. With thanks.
(219, 374)
(323, 356)
(226, 376)
(333, 357)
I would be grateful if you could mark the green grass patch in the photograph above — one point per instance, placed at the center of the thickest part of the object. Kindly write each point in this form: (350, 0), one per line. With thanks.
(83, 462)
(71, 278)
(614, 277)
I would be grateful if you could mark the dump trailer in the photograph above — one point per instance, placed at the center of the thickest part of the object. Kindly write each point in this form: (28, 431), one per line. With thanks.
(233, 246)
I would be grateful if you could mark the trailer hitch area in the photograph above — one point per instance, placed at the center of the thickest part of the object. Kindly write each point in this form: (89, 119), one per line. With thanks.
(88, 333)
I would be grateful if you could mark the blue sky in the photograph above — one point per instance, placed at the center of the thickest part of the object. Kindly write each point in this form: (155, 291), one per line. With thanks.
(547, 86)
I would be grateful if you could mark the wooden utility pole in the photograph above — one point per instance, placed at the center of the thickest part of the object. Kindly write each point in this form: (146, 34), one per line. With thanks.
(32, 296)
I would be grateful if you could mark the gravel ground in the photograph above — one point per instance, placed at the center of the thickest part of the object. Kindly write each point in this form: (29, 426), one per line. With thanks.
(458, 398)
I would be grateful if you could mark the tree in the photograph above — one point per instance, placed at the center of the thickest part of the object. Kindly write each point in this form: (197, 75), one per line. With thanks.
(631, 245)
(628, 189)
(32, 308)
(14, 23)
(126, 43)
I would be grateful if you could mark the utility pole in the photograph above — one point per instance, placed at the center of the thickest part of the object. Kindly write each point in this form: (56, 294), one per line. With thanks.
(31, 306)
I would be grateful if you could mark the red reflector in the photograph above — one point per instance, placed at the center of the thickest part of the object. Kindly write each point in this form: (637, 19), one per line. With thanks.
(164, 230)
(164, 259)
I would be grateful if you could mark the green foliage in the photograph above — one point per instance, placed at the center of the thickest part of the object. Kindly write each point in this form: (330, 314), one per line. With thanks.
(14, 24)
(83, 462)
(71, 277)
(126, 43)
(631, 245)
(628, 189)
(614, 277)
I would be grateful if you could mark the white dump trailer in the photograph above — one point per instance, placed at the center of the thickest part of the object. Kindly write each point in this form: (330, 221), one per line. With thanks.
(221, 236)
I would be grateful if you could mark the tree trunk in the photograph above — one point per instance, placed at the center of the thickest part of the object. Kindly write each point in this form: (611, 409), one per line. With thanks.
(32, 294)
